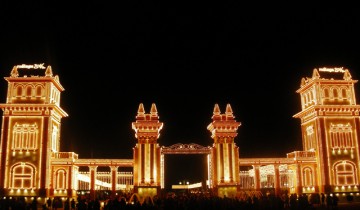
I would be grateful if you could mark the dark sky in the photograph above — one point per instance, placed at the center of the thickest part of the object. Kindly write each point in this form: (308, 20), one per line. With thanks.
(184, 58)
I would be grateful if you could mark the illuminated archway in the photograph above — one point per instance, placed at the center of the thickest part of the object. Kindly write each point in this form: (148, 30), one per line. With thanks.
(186, 149)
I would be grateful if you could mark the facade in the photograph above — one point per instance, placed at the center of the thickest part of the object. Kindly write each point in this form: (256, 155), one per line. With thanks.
(32, 165)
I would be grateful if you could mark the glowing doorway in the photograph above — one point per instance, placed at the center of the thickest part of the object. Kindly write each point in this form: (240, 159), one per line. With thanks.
(187, 149)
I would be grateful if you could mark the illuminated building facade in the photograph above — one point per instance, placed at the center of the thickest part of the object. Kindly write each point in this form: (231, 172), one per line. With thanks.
(330, 128)
(32, 165)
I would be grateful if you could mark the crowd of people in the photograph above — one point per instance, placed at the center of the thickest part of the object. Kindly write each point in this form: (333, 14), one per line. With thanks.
(184, 201)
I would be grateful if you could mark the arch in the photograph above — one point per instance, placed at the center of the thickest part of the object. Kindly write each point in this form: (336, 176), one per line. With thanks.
(19, 90)
(39, 89)
(344, 92)
(345, 173)
(29, 90)
(326, 92)
(60, 179)
(308, 176)
(335, 92)
(22, 176)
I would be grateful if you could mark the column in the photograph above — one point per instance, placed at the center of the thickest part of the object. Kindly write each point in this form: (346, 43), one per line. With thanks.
(298, 179)
(92, 181)
(152, 161)
(277, 179)
(70, 181)
(257, 177)
(114, 170)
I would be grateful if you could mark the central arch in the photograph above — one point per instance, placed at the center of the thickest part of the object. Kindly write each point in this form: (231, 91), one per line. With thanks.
(186, 149)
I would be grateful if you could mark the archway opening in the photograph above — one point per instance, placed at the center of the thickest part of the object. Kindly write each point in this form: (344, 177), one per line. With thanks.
(187, 170)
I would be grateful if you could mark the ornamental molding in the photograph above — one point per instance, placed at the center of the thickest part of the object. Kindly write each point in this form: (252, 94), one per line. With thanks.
(186, 149)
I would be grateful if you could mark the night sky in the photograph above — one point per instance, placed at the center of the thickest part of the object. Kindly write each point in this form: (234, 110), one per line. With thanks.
(183, 57)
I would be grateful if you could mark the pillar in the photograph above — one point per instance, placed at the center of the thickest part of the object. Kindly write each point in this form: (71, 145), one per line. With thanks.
(92, 181)
(277, 180)
(257, 177)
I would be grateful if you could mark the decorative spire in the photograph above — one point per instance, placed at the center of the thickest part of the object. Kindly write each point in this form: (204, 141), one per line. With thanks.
(303, 82)
(153, 109)
(228, 109)
(216, 109)
(347, 75)
(316, 74)
(14, 72)
(229, 112)
(48, 71)
(141, 109)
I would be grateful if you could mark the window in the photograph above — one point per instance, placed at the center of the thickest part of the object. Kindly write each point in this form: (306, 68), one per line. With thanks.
(345, 173)
(24, 136)
(22, 176)
(307, 177)
(60, 179)
(341, 136)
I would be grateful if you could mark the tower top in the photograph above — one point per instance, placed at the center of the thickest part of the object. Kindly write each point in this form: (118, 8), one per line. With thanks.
(223, 125)
(34, 72)
(328, 74)
(147, 126)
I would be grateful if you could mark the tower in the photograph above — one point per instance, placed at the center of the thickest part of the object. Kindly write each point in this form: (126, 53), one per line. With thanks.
(147, 180)
(31, 125)
(330, 127)
(225, 153)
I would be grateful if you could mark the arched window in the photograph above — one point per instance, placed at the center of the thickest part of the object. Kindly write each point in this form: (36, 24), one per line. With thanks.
(326, 93)
(60, 179)
(345, 173)
(19, 91)
(344, 93)
(335, 93)
(28, 91)
(307, 177)
(23, 176)
(38, 91)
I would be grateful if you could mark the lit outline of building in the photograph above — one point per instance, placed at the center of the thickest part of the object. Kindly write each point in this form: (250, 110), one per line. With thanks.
(32, 165)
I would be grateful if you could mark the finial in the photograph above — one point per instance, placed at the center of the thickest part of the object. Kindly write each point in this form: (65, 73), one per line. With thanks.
(216, 109)
(229, 112)
(347, 75)
(228, 109)
(153, 109)
(14, 72)
(303, 82)
(48, 72)
(316, 74)
(141, 109)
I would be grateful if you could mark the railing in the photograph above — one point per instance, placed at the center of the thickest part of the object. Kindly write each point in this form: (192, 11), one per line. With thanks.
(301, 154)
(70, 155)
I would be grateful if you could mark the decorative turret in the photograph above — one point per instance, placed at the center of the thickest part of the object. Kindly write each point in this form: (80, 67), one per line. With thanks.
(327, 86)
(224, 126)
(147, 180)
(147, 126)
(225, 172)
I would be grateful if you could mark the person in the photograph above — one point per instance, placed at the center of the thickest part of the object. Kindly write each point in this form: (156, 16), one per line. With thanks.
(329, 201)
(335, 201)
(49, 203)
(72, 204)
(322, 199)
(67, 204)
(34, 204)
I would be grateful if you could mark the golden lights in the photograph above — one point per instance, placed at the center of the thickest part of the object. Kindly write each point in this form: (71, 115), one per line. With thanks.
(338, 69)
